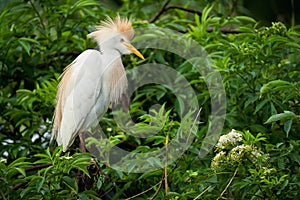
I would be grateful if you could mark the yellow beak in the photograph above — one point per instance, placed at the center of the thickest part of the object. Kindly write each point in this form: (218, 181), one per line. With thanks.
(133, 50)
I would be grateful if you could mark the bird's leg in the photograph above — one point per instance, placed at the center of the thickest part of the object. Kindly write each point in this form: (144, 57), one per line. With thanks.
(80, 177)
(81, 142)
(83, 181)
(125, 102)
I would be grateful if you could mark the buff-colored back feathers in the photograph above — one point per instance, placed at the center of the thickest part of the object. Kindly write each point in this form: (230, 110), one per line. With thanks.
(59, 98)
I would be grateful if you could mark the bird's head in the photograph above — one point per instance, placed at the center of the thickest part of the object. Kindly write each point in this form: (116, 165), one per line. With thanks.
(116, 34)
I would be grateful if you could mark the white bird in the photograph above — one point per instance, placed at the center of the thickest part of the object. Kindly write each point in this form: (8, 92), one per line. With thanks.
(92, 81)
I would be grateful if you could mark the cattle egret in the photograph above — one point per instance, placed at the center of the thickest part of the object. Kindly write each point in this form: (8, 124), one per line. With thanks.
(92, 81)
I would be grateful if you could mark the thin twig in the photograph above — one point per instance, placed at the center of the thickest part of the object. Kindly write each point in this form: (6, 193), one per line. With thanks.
(224, 30)
(156, 190)
(184, 9)
(160, 182)
(166, 7)
(166, 168)
(15, 187)
(38, 14)
(108, 191)
(194, 123)
(197, 197)
(229, 183)
(160, 12)
(37, 167)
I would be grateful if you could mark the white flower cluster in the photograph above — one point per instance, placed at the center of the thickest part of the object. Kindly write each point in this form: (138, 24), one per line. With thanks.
(226, 158)
(238, 152)
(229, 140)
(218, 159)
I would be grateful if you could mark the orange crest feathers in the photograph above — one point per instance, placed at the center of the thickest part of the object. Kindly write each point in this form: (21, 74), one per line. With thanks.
(110, 27)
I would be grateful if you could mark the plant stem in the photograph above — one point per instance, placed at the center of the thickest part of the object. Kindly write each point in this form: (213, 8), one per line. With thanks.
(229, 183)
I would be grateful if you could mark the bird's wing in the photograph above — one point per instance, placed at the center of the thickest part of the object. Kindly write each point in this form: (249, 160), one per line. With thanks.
(77, 94)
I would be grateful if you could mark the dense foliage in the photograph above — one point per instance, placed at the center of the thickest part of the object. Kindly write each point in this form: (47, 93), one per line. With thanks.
(260, 72)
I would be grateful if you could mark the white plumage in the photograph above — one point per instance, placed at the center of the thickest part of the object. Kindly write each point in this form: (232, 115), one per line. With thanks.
(93, 80)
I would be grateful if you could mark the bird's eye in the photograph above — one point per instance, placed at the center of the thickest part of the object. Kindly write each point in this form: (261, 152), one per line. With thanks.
(122, 40)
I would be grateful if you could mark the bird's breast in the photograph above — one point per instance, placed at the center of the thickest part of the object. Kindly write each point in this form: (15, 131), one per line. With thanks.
(118, 81)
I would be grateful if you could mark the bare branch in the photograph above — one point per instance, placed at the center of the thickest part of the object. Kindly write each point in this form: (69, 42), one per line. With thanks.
(229, 183)
(166, 7)
(197, 197)
(156, 191)
(184, 9)
(224, 30)
(160, 12)
(166, 168)
(132, 197)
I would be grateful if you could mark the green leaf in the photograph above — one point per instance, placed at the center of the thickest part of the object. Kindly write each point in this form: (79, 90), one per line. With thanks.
(79, 5)
(155, 162)
(258, 128)
(26, 44)
(246, 19)
(21, 170)
(282, 117)
(273, 109)
(275, 86)
(251, 100)
(287, 126)
(295, 157)
(70, 183)
(131, 166)
(151, 173)
(205, 13)
(25, 191)
(99, 182)
(40, 183)
(260, 105)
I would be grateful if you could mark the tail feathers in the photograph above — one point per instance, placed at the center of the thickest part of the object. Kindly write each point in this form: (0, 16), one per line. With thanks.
(55, 137)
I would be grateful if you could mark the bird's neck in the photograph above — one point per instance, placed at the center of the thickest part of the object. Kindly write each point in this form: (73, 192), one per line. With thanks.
(118, 81)
(109, 58)
(114, 73)
(105, 48)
